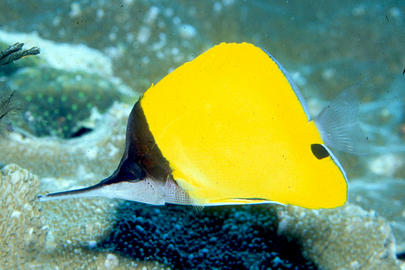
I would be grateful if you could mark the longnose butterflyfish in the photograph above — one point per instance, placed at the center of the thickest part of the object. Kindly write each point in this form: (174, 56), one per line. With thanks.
(229, 127)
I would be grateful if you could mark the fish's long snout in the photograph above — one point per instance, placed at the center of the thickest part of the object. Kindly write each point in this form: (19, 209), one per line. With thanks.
(91, 191)
(145, 191)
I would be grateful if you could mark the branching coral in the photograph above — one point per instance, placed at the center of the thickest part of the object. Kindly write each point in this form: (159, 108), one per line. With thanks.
(15, 52)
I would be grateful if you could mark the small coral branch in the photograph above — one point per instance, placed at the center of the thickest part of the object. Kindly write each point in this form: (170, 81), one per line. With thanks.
(15, 52)
(6, 104)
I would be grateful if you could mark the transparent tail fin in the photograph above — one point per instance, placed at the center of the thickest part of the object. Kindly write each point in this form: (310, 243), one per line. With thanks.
(339, 127)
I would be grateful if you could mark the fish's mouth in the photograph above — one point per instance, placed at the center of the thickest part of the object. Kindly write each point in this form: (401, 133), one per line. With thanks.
(91, 191)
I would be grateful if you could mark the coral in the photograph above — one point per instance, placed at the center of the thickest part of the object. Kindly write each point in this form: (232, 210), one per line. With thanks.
(386, 198)
(344, 238)
(11, 68)
(141, 49)
(101, 233)
(143, 40)
(62, 86)
(175, 235)
(74, 228)
(21, 230)
(223, 237)
(69, 57)
(29, 239)
(92, 219)
(58, 101)
(16, 52)
(7, 105)
(82, 259)
(80, 160)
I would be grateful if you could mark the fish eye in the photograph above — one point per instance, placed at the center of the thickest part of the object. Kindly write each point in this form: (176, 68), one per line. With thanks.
(319, 151)
(131, 171)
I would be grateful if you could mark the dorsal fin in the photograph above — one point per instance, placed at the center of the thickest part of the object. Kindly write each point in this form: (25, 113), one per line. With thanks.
(292, 84)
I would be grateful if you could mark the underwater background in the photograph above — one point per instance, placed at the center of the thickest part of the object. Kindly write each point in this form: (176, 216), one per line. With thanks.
(66, 129)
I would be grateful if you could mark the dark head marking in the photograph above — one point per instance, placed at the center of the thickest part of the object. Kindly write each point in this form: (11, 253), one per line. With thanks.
(130, 171)
(141, 157)
(319, 151)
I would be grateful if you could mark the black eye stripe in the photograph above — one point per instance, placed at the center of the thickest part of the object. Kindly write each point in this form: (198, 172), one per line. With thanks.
(131, 171)
(319, 151)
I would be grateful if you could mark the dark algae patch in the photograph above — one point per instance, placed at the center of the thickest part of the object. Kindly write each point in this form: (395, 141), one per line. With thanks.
(212, 238)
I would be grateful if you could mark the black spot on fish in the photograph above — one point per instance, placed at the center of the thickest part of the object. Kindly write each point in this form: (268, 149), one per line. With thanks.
(319, 151)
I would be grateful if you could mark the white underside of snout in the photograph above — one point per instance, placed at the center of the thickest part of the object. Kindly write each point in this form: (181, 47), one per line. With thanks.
(145, 191)
(148, 191)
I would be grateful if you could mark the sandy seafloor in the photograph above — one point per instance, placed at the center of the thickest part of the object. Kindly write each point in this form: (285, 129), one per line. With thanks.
(97, 57)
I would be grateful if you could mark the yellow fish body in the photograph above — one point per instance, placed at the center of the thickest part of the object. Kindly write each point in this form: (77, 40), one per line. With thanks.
(232, 127)
(229, 127)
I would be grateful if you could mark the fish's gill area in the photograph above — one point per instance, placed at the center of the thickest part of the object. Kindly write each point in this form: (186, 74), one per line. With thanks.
(98, 57)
